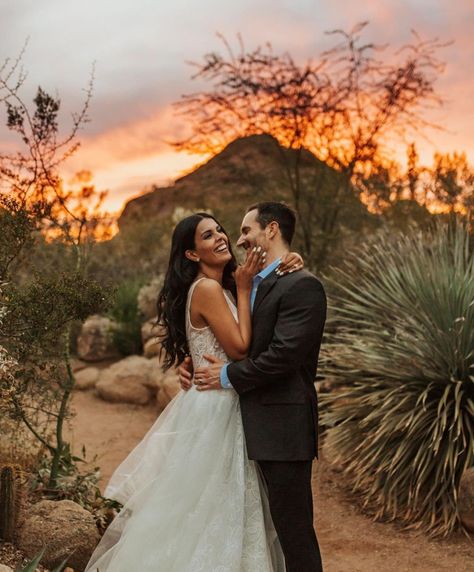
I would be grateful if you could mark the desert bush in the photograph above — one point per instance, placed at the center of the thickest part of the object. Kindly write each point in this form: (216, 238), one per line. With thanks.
(42, 295)
(80, 486)
(124, 311)
(139, 250)
(401, 349)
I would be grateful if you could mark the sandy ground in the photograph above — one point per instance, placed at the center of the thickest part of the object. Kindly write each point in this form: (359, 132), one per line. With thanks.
(349, 540)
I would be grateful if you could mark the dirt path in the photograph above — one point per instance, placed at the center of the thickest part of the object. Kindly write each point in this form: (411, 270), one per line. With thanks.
(350, 542)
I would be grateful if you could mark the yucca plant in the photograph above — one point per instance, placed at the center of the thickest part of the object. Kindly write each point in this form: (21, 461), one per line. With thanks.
(401, 353)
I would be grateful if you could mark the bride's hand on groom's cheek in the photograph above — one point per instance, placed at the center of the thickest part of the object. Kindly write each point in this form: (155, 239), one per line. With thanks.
(185, 373)
(206, 378)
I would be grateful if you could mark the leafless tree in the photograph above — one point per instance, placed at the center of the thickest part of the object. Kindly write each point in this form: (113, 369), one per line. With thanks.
(344, 106)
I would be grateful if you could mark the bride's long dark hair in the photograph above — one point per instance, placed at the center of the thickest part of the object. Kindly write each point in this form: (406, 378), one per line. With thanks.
(180, 274)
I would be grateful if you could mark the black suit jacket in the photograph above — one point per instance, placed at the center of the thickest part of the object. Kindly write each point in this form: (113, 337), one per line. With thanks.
(276, 381)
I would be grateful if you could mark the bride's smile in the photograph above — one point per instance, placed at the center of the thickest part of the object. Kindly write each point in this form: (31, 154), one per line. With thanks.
(223, 248)
(211, 244)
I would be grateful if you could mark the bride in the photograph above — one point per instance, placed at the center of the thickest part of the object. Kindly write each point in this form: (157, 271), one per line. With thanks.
(192, 501)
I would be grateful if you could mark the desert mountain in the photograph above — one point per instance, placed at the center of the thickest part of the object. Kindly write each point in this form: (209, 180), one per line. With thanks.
(248, 170)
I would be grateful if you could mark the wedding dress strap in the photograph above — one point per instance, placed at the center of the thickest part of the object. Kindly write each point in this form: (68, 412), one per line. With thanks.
(188, 304)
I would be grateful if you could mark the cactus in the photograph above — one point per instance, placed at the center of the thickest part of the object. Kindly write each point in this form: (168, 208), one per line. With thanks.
(11, 496)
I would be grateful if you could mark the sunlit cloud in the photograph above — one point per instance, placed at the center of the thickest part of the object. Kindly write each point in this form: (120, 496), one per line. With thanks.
(128, 179)
(141, 68)
(133, 156)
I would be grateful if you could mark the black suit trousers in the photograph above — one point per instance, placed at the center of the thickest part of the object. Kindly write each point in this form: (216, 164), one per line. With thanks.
(291, 507)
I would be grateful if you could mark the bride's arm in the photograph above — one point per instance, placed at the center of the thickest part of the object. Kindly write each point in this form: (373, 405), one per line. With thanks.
(210, 303)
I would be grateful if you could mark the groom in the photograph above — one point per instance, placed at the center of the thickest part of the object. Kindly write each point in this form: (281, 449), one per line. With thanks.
(275, 382)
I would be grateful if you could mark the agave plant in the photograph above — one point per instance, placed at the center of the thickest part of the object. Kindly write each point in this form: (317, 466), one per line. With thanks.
(401, 417)
(32, 565)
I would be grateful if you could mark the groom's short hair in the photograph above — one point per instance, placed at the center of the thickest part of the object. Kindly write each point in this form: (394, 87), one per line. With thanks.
(281, 213)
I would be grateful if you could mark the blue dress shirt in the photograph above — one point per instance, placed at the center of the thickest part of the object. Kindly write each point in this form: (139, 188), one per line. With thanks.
(225, 382)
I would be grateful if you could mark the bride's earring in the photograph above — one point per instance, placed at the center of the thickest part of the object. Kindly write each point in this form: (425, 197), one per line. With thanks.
(192, 256)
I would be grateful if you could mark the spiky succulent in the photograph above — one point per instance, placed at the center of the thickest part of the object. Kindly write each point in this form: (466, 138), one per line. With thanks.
(401, 354)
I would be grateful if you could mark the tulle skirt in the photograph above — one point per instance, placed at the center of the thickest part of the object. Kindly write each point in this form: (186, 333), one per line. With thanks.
(193, 501)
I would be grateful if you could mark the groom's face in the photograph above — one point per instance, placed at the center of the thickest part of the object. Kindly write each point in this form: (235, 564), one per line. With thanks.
(251, 233)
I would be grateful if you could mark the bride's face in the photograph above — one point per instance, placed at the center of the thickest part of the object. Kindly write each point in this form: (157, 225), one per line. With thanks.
(211, 244)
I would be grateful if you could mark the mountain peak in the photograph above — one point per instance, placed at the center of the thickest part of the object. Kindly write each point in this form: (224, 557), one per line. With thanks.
(249, 169)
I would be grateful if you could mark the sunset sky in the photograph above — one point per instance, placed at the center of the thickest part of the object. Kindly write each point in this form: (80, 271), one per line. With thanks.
(141, 48)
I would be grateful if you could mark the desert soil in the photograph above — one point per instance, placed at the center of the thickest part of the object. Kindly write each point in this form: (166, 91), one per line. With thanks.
(350, 541)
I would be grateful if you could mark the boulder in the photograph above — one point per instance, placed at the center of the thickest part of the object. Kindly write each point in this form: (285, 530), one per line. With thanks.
(151, 348)
(150, 330)
(157, 372)
(95, 342)
(130, 380)
(63, 527)
(168, 388)
(148, 296)
(5, 568)
(87, 378)
(151, 338)
(466, 499)
(77, 365)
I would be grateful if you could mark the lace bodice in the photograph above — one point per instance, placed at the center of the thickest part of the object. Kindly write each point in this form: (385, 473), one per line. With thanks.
(202, 340)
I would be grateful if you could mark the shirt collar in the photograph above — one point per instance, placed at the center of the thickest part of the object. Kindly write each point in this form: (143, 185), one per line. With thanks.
(268, 269)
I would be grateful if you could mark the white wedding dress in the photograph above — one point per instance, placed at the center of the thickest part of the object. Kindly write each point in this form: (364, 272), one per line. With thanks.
(193, 501)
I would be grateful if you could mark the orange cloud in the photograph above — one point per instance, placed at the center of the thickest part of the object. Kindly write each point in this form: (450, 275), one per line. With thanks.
(133, 156)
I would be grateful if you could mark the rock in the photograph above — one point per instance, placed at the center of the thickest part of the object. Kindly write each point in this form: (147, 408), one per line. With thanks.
(5, 568)
(148, 296)
(157, 372)
(130, 380)
(77, 365)
(168, 388)
(151, 348)
(87, 378)
(95, 342)
(63, 527)
(151, 338)
(150, 330)
(466, 499)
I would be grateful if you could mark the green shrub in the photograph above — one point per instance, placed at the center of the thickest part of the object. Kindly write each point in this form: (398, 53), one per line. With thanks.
(127, 336)
(73, 484)
(401, 416)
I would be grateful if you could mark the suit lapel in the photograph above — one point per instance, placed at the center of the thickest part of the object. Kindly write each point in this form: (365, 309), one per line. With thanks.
(264, 288)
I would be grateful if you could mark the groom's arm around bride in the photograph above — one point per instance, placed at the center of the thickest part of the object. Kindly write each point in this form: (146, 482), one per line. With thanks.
(288, 321)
